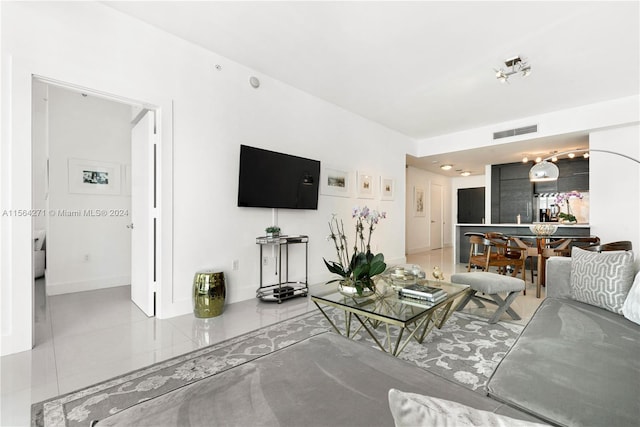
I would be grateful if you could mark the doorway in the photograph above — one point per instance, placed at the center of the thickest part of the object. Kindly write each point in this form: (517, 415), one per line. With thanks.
(82, 171)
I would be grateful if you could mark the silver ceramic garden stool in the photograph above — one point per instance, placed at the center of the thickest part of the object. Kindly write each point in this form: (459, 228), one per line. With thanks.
(209, 293)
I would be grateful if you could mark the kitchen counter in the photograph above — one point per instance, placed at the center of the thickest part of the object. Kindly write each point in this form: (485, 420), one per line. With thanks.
(462, 245)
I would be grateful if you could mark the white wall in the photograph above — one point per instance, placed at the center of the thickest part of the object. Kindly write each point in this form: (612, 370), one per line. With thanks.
(205, 115)
(418, 227)
(87, 252)
(614, 185)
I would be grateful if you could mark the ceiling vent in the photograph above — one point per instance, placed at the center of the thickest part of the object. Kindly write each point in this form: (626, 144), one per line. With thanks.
(515, 132)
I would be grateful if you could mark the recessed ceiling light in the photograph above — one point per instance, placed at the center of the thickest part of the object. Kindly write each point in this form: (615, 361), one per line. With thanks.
(525, 159)
(586, 155)
(446, 167)
(538, 159)
(465, 173)
(571, 155)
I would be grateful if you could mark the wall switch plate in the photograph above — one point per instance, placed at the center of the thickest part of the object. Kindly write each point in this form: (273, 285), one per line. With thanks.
(235, 265)
(265, 260)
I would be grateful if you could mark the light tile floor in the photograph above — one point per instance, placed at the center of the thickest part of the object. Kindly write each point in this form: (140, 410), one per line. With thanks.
(87, 337)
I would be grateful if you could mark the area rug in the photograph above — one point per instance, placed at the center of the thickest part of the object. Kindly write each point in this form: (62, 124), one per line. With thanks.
(466, 350)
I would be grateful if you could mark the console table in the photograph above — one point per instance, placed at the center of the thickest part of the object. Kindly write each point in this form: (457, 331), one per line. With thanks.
(285, 288)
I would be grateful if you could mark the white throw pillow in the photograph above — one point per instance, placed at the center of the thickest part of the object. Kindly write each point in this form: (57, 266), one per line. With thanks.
(631, 307)
(601, 279)
(415, 410)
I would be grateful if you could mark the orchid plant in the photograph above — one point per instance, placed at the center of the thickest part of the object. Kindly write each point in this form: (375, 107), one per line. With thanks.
(361, 265)
(562, 199)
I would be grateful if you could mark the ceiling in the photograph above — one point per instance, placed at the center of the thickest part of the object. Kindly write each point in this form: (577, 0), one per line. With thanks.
(424, 68)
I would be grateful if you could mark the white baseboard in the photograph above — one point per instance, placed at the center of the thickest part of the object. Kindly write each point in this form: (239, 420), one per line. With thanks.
(87, 285)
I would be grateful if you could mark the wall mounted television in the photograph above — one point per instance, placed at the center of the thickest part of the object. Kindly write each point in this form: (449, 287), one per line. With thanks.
(276, 180)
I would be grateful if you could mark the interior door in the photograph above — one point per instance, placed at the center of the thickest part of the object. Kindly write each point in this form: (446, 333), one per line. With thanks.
(142, 213)
(435, 229)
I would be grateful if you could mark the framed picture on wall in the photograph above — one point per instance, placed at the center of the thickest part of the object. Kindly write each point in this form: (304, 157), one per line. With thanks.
(94, 177)
(387, 188)
(418, 201)
(335, 182)
(366, 185)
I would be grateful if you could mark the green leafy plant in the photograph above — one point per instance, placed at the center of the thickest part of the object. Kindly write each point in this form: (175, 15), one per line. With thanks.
(567, 217)
(564, 199)
(273, 229)
(362, 265)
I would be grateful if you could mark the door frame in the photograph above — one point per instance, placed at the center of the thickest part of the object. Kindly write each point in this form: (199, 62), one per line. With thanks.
(153, 189)
(16, 257)
(440, 209)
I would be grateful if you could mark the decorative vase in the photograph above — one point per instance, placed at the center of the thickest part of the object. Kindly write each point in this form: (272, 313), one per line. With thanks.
(209, 293)
(346, 288)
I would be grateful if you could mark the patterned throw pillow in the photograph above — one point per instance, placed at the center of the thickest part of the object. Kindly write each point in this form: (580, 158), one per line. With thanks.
(601, 279)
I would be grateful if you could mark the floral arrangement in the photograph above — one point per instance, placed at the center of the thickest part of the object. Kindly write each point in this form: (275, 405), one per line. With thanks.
(562, 199)
(359, 267)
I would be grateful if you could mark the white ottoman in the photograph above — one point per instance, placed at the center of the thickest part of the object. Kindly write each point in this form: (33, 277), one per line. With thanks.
(491, 284)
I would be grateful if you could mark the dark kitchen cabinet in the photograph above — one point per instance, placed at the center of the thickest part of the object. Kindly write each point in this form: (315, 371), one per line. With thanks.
(511, 194)
(516, 197)
(471, 203)
(574, 175)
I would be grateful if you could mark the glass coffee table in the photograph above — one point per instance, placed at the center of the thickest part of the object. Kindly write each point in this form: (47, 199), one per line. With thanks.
(387, 308)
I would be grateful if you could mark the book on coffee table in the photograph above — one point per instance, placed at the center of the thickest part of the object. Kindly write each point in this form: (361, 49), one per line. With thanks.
(421, 301)
(426, 292)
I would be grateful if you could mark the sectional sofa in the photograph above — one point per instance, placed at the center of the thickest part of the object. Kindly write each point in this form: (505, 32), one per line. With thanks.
(574, 364)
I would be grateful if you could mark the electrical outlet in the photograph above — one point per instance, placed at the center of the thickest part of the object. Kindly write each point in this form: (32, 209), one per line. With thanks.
(235, 265)
(86, 258)
(265, 260)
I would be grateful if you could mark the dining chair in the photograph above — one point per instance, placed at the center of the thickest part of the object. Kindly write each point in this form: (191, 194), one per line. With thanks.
(486, 253)
(623, 245)
(585, 242)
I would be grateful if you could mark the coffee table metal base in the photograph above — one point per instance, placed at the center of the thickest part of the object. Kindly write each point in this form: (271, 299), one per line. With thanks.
(418, 328)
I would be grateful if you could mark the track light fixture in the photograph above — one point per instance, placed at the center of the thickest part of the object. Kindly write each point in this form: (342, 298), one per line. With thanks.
(514, 65)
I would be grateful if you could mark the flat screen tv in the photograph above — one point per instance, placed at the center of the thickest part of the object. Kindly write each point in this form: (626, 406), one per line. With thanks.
(275, 180)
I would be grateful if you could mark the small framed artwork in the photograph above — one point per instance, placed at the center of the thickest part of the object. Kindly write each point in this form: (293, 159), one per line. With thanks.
(387, 187)
(365, 185)
(418, 201)
(93, 177)
(334, 182)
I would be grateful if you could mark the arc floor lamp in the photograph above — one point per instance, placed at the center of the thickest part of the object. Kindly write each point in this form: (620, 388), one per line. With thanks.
(548, 171)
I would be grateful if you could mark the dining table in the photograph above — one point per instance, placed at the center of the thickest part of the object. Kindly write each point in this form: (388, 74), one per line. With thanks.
(541, 243)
